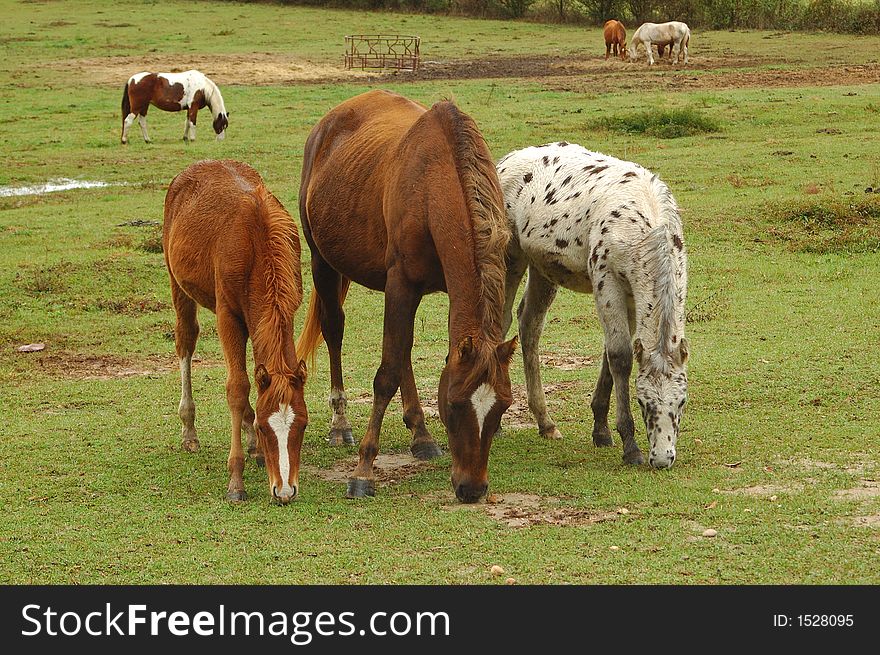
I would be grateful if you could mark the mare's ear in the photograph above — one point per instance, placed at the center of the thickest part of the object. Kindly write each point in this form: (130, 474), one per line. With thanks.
(465, 348)
(262, 377)
(505, 350)
(684, 349)
(638, 351)
(301, 373)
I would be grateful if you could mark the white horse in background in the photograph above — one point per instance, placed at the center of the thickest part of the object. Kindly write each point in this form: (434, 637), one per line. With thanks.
(599, 225)
(674, 34)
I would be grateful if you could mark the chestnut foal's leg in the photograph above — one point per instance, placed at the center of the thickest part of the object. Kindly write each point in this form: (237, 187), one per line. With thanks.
(327, 285)
(186, 332)
(401, 301)
(233, 338)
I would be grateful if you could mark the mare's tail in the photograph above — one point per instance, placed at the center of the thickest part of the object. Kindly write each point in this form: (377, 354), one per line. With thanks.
(310, 337)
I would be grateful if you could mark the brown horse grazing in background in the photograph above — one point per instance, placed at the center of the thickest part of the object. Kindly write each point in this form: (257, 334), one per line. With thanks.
(615, 38)
(405, 200)
(231, 246)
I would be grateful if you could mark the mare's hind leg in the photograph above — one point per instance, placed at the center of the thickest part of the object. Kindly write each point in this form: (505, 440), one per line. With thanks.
(142, 121)
(401, 302)
(233, 337)
(612, 306)
(186, 332)
(538, 297)
(327, 285)
(600, 403)
(423, 445)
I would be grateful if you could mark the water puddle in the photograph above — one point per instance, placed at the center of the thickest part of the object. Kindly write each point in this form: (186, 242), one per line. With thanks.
(58, 184)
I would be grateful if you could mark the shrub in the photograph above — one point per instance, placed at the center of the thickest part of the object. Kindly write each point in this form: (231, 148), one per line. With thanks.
(667, 124)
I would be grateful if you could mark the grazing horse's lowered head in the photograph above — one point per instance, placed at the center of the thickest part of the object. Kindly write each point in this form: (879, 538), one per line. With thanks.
(661, 351)
(281, 421)
(473, 394)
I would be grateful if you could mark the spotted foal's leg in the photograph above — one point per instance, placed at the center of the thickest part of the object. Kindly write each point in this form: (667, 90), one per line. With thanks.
(401, 302)
(600, 403)
(186, 333)
(327, 285)
(233, 337)
(613, 308)
(538, 297)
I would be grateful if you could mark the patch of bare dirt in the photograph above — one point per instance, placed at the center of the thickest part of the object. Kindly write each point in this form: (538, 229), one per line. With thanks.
(390, 468)
(866, 490)
(871, 521)
(251, 69)
(78, 366)
(568, 73)
(517, 510)
(767, 489)
(567, 362)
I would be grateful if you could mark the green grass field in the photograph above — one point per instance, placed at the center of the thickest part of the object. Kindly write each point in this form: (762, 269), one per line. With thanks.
(779, 445)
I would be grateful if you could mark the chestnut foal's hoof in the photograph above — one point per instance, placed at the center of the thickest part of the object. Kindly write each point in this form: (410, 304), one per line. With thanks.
(602, 438)
(236, 496)
(360, 488)
(339, 436)
(190, 445)
(634, 458)
(425, 450)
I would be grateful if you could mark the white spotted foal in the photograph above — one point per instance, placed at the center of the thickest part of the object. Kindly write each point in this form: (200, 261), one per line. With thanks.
(593, 223)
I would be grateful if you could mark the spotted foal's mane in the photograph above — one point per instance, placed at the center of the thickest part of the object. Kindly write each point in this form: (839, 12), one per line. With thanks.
(485, 204)
(662, 250)
(283, 293)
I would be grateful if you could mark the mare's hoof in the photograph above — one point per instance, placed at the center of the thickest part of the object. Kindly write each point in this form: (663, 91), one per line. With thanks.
(360, 488)
(634, 458)
(551, 433)
(602, 438)
(236, 496)
(339, 436)
(190, 445)
(425, 450)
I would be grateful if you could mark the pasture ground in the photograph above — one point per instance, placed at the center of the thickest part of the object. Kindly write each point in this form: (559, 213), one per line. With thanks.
(780, 439)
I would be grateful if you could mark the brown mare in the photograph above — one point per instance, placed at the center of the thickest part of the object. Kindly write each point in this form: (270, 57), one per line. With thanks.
(405, 200)
(615, 39)
(190, 90)
(231, 247)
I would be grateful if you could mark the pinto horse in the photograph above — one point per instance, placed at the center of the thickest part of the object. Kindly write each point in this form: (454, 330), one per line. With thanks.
(595, 224)
(615, 39)
(190, 90)
(404, 199)
(231, 247)
(675, 35)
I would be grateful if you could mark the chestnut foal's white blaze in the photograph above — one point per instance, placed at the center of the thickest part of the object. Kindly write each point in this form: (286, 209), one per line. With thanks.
(483, 400)
(281, 422)
(674, 33)
(596, 224)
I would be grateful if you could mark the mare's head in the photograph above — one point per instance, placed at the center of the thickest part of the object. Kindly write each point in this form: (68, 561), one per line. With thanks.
(281, 421)
(474, 392)
(221, 122)
(661, 389)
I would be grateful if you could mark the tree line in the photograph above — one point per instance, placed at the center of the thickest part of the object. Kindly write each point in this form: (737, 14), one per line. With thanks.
(849, 16)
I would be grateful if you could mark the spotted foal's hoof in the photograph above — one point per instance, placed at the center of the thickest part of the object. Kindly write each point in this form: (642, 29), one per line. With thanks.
(238, 496)
(360, 488)
(190, 445)
(602, 438)
(634, 458)
(339, 436)
(425, 450)
(551, 432)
